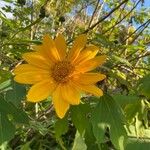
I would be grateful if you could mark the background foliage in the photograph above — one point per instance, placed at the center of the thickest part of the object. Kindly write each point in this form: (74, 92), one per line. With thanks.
(118, 120)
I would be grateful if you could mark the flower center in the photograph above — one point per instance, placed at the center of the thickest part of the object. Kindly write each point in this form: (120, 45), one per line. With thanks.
(61, 71)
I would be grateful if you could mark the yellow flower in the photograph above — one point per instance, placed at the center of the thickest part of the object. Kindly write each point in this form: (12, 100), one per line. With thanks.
(64, 75)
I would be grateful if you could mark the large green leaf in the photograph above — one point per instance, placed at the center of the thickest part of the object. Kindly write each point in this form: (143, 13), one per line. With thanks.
(108, 114)
(79, 116)
(7, 129)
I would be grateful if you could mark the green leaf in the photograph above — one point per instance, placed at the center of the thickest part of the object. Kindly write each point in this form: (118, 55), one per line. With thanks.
(61, 127)
(144, 86)
(79, 116)
(17, 93)
(79, 143)
(108, 114)
(7, 129)
(90, 139)
(8, 108)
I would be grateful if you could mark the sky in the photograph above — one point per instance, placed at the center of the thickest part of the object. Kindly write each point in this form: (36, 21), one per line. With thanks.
(89, 8)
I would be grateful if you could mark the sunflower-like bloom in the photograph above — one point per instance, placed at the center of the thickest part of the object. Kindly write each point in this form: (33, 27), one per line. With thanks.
(52, 70)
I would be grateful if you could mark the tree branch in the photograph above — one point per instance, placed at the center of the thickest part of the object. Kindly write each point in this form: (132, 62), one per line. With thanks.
(105, 17)
(112, 27)
(93, 14)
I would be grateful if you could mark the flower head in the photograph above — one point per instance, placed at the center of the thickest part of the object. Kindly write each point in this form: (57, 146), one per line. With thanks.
(52, 70)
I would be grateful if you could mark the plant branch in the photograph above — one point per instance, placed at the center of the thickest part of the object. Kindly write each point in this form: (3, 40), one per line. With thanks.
(141, 56)
(112, 27)
(93, 15)
(105, 17)
(27, 27)
(144, 24)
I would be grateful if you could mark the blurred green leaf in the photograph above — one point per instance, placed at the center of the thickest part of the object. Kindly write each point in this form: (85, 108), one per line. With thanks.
(138, 144)
(7, 129)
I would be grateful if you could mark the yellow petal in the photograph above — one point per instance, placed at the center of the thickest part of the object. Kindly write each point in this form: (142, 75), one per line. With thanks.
(89, 78)
(90, 89)
(50, 49)
(44, 52)
(91, 64)
(40, 91)
(60, 105)
(78, 45)
(28, 68)
(88, 53)
(31, 77)
(61, 46)
(70, 93)
(36, 59)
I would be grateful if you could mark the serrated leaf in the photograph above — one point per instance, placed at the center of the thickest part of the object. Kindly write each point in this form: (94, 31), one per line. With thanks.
(108, 114)
(7, 129)
(79, 116)
(61, 127)
(79, 143)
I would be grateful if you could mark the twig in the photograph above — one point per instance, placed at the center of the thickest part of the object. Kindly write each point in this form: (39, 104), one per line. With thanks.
(93, 14)
(112, 27)
(27, 27)
(141, 56)
(147, 22)
(140, 32)
(105, 17)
